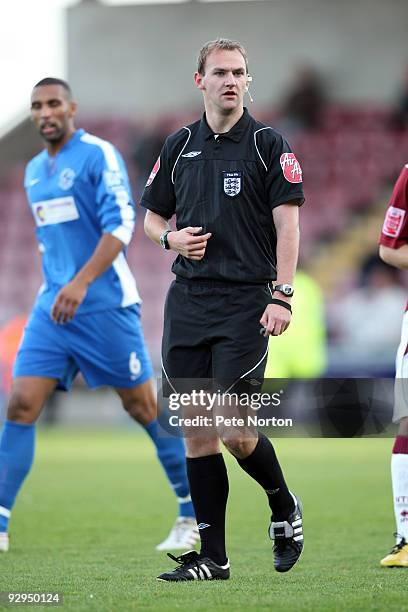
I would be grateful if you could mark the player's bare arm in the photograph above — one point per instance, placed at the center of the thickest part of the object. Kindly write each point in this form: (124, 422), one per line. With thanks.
(276, 318)
(71, 296)
(395, 257)
(188, 241)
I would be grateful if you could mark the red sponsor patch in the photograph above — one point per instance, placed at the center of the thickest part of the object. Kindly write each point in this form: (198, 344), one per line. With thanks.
(291, 168)
(393, 222)
(153, 173)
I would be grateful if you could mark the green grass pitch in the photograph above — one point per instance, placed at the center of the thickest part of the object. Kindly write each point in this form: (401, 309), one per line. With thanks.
(96, 503)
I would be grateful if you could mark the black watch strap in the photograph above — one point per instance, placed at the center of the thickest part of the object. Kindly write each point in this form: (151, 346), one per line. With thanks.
(164, 240)
(281, 303)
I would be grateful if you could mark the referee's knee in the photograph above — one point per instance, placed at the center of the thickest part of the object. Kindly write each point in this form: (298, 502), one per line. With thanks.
(240, 447)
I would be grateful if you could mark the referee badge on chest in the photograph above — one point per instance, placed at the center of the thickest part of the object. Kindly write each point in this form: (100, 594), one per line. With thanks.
(232, 183)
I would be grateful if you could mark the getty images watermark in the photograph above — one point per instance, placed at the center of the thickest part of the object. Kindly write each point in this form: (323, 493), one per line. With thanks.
(228, 409)
(316, 408)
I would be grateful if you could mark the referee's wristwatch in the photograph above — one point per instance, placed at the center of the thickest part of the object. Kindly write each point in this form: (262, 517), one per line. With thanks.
(164, 243)
(286, 290)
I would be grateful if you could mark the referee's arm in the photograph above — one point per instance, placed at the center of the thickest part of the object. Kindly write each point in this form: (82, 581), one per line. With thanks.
(155, 225)
(276, 318)
(286, 219)
(187, 241)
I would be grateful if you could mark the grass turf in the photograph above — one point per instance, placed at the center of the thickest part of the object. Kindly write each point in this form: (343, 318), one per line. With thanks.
(96, 503)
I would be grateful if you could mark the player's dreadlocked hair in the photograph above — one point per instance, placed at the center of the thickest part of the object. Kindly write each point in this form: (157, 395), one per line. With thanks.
(54, 81)
(222, 44)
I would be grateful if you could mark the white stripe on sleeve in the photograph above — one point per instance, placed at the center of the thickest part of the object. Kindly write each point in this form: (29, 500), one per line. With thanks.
(124, 231)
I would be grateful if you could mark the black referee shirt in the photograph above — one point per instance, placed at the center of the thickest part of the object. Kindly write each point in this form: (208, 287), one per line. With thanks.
(228, 184)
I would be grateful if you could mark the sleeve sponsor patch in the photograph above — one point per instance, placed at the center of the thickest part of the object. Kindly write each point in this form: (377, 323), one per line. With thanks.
(291, 168)
(393, 222)
(153, 173)
(113, 180)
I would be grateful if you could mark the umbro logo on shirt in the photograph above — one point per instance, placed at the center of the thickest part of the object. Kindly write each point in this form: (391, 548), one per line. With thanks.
(203, 525)
(191, 154)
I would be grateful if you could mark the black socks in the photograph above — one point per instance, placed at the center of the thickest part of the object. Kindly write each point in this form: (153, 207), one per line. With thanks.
(209, 491)
(263, 466)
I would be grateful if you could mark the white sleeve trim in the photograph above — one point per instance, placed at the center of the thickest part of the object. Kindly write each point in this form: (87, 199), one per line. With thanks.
(122, 197)
(256, 146)
(179, 155)
(124, 234)
(108, 150)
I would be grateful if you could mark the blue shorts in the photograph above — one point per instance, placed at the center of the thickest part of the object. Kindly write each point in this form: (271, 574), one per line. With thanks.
(106, 347)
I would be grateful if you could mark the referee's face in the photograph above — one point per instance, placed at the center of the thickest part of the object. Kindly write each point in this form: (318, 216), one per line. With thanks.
(223, 84)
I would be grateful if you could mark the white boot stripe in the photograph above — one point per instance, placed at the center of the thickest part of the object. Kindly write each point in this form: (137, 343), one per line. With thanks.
(298, 530)
(207, 571)
(297, 523)
(193, 573)
(297, 538)
(201, 574)
(5, 512)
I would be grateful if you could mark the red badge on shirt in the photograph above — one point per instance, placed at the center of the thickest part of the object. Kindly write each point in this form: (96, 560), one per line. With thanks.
(393, 222)
(291, 168)
(153, 173)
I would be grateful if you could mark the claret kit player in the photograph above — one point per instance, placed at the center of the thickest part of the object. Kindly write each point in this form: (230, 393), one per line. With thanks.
(87, 314)
(234, 186)
(394, 251)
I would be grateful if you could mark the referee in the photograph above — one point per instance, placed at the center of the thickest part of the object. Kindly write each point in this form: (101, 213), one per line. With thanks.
(235, 188)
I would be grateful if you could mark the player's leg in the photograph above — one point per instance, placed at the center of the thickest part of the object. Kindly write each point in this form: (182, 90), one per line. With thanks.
(186, 360)
(109, 349)
(242, 354)
(398, 557)
(41, 362)
(140, 402)
(17, 442)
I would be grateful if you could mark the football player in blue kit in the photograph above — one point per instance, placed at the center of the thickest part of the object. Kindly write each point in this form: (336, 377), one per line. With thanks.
(86, 316)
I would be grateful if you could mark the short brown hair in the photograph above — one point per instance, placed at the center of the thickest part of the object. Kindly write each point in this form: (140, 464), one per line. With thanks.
(221, 44)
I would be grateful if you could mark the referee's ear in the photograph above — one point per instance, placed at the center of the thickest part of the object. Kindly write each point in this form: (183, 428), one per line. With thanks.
(198, 79)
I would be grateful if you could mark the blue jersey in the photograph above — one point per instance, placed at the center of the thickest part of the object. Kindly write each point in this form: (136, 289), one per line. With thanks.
(76, 197)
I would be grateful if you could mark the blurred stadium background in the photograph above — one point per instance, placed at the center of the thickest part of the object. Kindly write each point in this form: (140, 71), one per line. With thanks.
(332, 76)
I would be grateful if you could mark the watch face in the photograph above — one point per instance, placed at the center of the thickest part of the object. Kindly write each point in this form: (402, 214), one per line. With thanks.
(285, 289)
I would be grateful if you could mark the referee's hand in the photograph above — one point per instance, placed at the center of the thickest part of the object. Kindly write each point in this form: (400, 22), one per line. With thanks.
(189, 242)
(275, 320)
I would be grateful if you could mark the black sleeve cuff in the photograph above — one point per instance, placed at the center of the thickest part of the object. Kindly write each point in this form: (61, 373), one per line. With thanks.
(299, 196)
(166, 214)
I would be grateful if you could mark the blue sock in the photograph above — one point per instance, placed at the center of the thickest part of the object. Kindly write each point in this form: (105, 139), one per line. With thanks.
(172, 455)
(16, 457)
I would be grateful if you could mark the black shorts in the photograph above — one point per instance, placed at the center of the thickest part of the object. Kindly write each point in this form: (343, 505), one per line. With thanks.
(212, 331)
